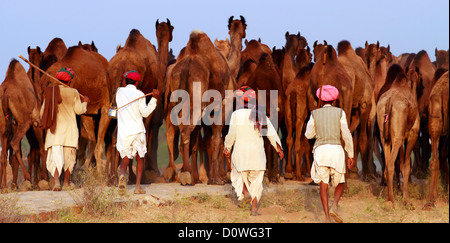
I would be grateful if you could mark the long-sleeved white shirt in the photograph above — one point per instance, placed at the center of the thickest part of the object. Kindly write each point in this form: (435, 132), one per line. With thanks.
(332, 155)
(130, 118)
(248, 152)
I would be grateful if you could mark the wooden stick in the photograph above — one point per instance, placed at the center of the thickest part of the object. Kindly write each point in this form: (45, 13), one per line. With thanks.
(135, 100)
(322, 74)
(44, 72)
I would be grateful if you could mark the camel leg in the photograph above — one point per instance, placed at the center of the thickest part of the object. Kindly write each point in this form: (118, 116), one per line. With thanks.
(215, 146)
(186, 172)
(102, 127)
(3, 160)
(39, 133)
(82, 145)
(289, 139)
(15, 144)
(171, 143)
(406, 168)
(88, 124)
(396, 145)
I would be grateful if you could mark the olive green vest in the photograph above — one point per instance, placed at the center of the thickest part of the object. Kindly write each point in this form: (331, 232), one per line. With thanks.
(327, 124)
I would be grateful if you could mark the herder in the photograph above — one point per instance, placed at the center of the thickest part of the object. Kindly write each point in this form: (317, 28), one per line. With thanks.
(326, 124)
(58, 115)
(130, 127)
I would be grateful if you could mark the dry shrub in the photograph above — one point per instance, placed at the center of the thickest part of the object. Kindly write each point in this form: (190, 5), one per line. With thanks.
(9, 211)
(95, 197)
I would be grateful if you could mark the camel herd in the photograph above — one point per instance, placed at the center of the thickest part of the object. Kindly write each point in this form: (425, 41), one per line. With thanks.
(395, 106)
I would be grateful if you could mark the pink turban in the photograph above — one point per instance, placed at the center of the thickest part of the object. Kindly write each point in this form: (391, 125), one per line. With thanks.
(65, 74)
(133, 75)
(329, 93)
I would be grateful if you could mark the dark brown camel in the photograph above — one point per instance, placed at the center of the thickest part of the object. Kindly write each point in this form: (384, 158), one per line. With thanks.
(399, 121)
(266, 77)
(201, 62)
(90, 80)
(363, 108)
(295, 115)
(438, 124)
(426, 70)
(18, 102)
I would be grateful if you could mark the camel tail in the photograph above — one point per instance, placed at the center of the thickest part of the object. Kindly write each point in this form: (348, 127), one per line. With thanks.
(387, 121)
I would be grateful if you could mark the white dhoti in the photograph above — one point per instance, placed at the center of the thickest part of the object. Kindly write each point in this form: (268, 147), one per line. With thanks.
(329, 161)
(60, 157)
(252, 179)
(131, 145)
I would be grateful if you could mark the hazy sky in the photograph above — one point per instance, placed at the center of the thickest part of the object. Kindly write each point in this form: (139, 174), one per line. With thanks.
(406, 25)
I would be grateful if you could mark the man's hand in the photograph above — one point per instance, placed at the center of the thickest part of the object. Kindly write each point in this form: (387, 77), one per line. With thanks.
(155, 93)
(84, 99)
(280, 152)
(350, 163)
(226, 152)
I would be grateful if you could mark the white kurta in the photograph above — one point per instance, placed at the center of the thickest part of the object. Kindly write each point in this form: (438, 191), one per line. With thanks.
(331, 155)
(130, 118)
(248, 152)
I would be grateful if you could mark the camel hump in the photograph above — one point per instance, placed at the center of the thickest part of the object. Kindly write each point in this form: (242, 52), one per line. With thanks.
(343, 46)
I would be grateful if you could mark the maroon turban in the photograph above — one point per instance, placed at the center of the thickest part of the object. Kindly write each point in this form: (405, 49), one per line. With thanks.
(329, 93)
(65, 74)
(133, 75)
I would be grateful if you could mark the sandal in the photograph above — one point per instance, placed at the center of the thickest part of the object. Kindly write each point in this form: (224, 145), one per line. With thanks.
(336, 216)
(122, 185)
(139, 190)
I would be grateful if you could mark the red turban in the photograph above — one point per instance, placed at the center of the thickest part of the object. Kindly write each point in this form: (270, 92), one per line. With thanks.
(133, 75)
(329, 93)
(65, 74)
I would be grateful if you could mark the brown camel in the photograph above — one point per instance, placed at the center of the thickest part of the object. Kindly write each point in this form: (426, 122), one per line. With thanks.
(328, 70)
(201, 62)
(154, 122)
(223, 46)
(441, 58)
(438, 116)
(266, 77)
(139, 54)
(237, 33)
(399, 121)
(90, 80)
(18, 102)
(295, 115)
(426, 70)
(253, 51)
(364, 106)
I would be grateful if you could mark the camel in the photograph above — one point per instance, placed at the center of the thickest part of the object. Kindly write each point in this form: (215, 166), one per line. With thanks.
(90, 80)
(139, 54)
(363, 112)
(237, 33)
(438, 125)
(441, 58)
(201, 62)
(266, 77)
(154, 122)
(295, 115)
(253, 51)
(328, 70)
(18, 102)
(223, 46)
(423, 65)
(399, 121)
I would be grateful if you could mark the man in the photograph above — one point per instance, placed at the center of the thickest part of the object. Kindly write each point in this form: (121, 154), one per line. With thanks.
(131, 138)
(248, 159)
(326, 124)
(58, 116)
